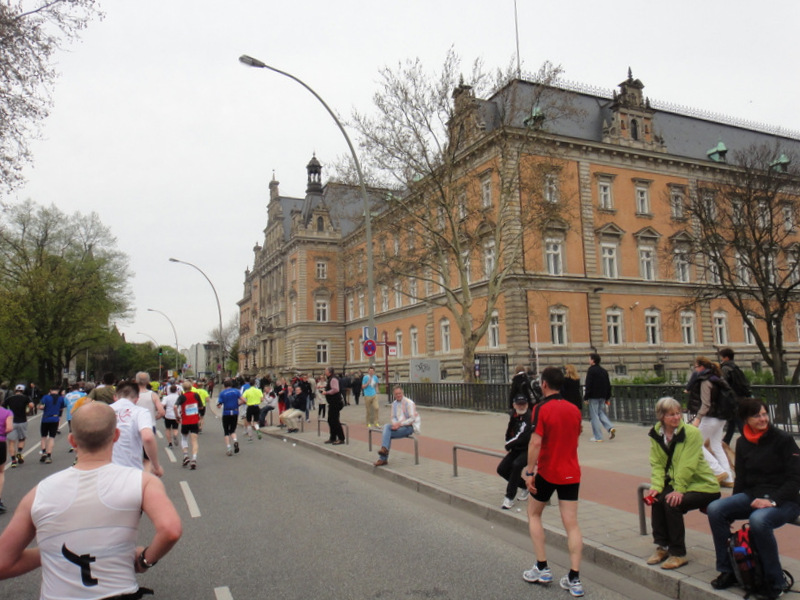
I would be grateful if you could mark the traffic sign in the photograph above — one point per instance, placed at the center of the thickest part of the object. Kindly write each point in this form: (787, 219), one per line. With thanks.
(369, 333)
(370, 347)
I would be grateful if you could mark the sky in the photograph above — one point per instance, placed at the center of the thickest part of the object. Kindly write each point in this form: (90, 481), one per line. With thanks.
(160, 130)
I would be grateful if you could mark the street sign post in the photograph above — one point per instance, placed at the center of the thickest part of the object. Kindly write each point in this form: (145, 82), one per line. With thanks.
(370, 347)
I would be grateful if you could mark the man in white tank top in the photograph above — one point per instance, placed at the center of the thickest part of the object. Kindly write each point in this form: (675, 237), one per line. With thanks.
(86, 518)
(148, 398)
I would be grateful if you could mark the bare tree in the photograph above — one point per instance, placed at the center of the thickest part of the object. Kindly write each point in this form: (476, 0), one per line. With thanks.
(480, 184)
(745, 246)
(30, 34)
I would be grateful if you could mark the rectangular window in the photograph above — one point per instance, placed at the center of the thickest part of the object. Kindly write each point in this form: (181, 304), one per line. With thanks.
(682, 267)
(652, 328)
(398, 295)
(398, 338)
(486, 192)
(609, 258)
(614, 327)
(350, 307)
(720, 330)
(444, 329)
(558, 327)
(494, 331)
(642, 200)
(554, 257)
(465, 259)
(687, 328)
(788, 217)
(322, 311)
(412, 334)
(351, 350)
(647, 263)
(412, 289)
(488, 258)
(551, 188)
(384, 298)
(742, 270)
(677, 204)
(605, 199)
(361, 304)
(322, 353)
(749, 337)
(322, 270)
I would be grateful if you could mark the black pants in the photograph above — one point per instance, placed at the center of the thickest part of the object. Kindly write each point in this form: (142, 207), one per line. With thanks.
(668, 528)
(321, 411)
(510, 469)
(337, 433)
(262, 415)
(356, 397)
(733, 425)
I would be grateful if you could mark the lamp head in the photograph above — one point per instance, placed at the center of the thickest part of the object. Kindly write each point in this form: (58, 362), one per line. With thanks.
(251, 62)
(174, 260)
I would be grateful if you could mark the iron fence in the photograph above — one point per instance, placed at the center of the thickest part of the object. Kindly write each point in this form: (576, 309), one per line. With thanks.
(630, 403)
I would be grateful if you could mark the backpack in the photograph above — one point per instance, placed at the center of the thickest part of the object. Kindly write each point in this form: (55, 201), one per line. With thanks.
(747, 564)
(723, 406)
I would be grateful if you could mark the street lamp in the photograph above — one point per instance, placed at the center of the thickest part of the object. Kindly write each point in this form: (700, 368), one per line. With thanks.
(254, 62)
(219, 308)
(177, 351)
(157, 347)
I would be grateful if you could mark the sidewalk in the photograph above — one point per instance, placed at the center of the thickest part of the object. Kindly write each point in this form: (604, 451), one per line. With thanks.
(611, 474)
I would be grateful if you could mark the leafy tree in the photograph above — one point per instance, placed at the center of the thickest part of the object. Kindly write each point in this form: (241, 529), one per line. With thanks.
(745, 248)
(447, 239)
(64, 280)
(31, 31)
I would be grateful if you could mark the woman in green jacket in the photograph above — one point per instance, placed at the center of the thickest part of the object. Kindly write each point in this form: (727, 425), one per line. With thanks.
(680, 481)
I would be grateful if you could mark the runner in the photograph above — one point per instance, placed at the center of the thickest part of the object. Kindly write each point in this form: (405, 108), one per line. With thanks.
(252, 397)
(189, 403)
(229, 400)
(170, 415)
(19, 404)
(52, 406)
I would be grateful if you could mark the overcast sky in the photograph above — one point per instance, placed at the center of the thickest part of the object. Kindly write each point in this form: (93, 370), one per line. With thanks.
(159, 129)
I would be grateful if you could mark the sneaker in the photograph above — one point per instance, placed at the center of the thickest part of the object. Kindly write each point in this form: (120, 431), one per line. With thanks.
(575, 586)
(193, 465)
(508, 503)
(612, 433)
(594, 440)
(42, 457)
(723, 581)
(169, 445)
(185, 460)
(236, 447)
(14, 463)
(20, 460)
(258, 433)
(535, 575)
(48, 459)
(228, 452)
(523, 495)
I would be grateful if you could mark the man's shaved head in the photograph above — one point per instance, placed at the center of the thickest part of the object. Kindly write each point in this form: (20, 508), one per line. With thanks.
(93, 426)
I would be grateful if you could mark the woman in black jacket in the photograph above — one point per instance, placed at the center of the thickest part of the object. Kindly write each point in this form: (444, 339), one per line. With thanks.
(571, 389)
(766, 491)
(520, 385)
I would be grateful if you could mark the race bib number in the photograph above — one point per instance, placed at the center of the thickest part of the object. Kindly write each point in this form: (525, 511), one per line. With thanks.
(191, 410)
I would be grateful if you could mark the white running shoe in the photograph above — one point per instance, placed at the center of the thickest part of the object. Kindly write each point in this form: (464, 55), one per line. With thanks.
(535, 575)
(575, 587)
(507, 504)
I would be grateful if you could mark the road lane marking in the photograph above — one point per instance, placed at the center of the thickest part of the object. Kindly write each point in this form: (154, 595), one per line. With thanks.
(223, 593)
(194, 510)
(171, 455)
(159, 434)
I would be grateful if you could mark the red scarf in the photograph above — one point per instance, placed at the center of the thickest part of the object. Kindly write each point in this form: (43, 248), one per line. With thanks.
(752, 435)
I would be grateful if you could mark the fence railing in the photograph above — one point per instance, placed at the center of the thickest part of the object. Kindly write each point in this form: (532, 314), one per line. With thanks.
(630, 403)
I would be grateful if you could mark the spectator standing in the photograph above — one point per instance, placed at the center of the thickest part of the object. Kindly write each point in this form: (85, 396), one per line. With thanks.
(597, 391)
(572, 386)
(741, 388)
(355, 385)
(321, 398)
(335, 405)
(369, 385)
(520, 384)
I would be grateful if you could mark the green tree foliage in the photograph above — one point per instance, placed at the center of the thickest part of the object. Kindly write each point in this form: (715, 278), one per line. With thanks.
(62, 281)
(31, 31)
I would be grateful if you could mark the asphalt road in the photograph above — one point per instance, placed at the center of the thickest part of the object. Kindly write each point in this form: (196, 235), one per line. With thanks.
(281, 521)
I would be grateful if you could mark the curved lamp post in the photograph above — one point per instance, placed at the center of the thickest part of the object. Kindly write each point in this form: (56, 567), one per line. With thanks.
(177, 351)
(254, 62)
(219, 310)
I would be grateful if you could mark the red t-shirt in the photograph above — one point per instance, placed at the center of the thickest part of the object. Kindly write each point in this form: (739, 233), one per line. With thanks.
(559, 424)
(190, 409)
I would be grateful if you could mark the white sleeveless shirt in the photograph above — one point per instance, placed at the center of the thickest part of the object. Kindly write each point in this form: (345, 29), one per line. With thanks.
(86, 528)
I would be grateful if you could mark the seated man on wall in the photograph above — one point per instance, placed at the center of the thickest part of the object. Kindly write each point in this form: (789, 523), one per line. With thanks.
(405, 422)
(291, 417)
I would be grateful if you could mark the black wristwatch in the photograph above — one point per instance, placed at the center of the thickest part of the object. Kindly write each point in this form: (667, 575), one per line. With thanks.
(529, 474)
(143, 560)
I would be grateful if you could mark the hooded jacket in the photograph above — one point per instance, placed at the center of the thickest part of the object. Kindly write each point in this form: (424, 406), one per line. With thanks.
(689, 471)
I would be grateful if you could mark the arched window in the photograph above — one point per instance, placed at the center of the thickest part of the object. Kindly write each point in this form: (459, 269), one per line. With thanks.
(320, 224)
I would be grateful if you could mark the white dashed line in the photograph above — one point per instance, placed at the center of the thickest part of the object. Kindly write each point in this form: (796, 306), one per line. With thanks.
(194, 510)
(223, 593)
(170, 455)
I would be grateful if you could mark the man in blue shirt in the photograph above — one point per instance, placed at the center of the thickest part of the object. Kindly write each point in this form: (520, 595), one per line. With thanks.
(229, 400)
(369, 386)
(52, 405)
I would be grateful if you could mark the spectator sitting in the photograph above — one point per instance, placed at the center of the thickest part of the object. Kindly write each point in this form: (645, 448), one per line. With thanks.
(405, 422)
(271, 399)
(518, 435)
(291, 417)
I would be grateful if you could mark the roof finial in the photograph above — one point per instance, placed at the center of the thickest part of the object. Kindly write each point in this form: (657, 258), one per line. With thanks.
(630, 74)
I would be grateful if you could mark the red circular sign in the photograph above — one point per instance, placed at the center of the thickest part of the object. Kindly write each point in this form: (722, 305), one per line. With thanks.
(370, 347)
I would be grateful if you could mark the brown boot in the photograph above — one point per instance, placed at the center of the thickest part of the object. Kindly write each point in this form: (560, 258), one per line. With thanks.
(381, 462)
(383, 451)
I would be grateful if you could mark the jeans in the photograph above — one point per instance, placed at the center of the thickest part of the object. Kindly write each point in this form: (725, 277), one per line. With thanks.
(597, 413)
(763, 522)
(262, 415)
(389, 434)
